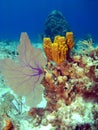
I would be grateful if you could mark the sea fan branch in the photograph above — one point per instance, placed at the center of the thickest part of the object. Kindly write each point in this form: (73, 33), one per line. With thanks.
(25, 77)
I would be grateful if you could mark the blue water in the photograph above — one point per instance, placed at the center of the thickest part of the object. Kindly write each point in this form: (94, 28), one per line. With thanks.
(17, 16)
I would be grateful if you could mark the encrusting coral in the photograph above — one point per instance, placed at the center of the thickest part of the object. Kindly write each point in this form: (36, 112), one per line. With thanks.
(59, 50)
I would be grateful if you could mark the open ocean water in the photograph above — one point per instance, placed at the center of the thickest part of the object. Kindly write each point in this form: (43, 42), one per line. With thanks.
(17, 16)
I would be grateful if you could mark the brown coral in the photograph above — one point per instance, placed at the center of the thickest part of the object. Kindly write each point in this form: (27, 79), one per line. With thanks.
(9, 125)
(68, 80)
(65, 82)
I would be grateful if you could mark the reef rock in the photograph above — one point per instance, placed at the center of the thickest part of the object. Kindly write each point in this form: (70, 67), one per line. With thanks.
(55, 24)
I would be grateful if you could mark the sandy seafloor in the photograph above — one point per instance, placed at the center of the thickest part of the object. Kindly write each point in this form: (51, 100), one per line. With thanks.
(79, 112)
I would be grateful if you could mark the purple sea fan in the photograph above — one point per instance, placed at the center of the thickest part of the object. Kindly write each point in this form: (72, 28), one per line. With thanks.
(24, 77)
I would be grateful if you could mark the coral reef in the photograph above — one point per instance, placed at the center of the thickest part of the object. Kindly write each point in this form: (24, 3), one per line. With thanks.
(69, 87)
(79, 114)
(55, 24)
(59, 50)
(69, 82)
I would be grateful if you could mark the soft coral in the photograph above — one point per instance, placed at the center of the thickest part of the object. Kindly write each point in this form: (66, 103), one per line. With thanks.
(25, 76)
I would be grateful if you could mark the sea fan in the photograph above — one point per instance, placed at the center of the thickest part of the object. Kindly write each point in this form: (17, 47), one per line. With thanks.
(25, 76)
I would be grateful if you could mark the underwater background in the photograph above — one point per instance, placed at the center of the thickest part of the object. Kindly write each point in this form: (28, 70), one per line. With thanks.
(48, 65)
(29, 16)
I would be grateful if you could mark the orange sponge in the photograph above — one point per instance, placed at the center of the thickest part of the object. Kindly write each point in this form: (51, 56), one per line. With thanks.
(47, 48)
(69, 40)
(58, 50)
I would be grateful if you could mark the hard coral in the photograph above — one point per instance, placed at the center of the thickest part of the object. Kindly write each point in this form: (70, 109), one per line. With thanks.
(83, 127)
(55, 24)
(69, 88)
(70, 79)
(58, 51)
(58, 88)
(91, 94)
(9, 125)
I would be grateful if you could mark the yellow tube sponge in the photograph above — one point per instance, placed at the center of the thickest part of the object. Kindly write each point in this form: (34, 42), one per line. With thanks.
(55, 52)
(47, 48)
(69, 40)
(58, 50)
